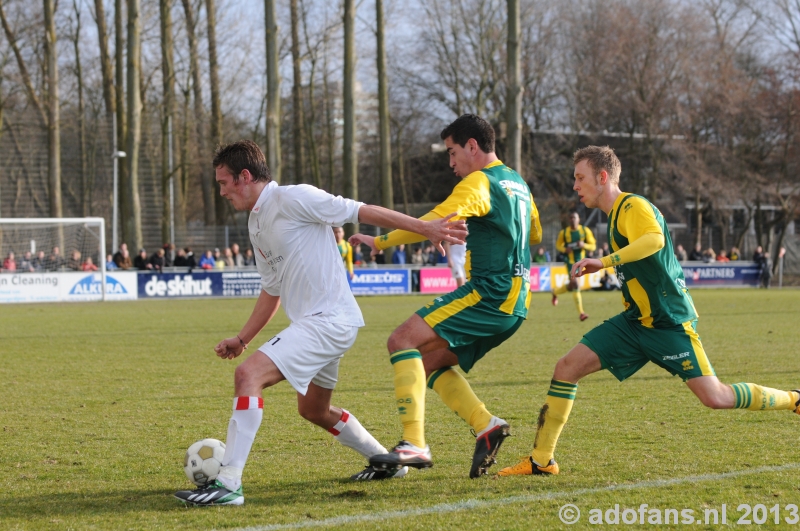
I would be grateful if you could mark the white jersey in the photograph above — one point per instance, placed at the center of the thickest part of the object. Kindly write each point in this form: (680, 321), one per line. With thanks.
(296, 254)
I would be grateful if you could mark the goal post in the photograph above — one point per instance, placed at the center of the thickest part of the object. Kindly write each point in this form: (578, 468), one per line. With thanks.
(54, 244)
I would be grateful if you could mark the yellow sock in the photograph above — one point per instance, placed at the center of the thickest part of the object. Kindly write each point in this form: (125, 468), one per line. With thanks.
(758, 398)
(552, 417)
(458, 396)
(560, 291)
(409, 389)
(576, 295)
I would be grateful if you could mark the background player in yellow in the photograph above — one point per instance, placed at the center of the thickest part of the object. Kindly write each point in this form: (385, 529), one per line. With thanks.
(461, 327)
(345, 250)
(574, 241)
(658, 324)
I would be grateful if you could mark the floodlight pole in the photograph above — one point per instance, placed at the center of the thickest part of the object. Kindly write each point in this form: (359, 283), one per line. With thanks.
(115, 215)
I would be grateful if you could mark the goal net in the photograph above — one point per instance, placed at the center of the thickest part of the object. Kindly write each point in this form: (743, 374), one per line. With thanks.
(48, 245)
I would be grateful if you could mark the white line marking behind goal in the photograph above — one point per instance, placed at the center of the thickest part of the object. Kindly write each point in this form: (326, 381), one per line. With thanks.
(444, 508)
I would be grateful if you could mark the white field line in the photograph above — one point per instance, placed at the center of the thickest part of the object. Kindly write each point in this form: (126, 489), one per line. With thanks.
(444, 508)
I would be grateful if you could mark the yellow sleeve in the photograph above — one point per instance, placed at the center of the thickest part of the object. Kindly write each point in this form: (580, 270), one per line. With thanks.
(536, 225)
(469, 199)
(349, 258)
(396, 237)
(561, 245)
(589, 243)
(637, 220)
(639, 225)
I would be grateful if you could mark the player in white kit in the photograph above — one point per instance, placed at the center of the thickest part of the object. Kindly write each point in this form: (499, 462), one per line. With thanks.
(300, 267)
(456, 261)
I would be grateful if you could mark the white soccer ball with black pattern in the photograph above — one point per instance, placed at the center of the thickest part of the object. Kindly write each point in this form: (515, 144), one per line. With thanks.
(203, 461)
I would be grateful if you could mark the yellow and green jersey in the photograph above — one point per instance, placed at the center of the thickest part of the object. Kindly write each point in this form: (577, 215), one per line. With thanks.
(567, 243)
(503, 223)
(346, 251)
(653, 288)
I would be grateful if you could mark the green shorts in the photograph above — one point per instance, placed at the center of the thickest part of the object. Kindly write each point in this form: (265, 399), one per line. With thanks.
(625, 346)
(470, 325)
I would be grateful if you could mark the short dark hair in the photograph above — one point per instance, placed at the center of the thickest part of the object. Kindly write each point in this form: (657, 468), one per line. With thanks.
(243, 155)
(469, 126)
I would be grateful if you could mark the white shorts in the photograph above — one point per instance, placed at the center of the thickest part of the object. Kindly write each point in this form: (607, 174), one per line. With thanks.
(309, 350)
(458, 270)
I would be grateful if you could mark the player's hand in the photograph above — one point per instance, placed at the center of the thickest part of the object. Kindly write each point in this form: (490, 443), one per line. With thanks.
(586, 266)
(444, 230)
(580, 244)
(229, 348)
(357, 239)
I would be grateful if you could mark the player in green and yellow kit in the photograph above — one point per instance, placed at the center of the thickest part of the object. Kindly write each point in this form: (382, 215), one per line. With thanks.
(574, 242)
(659, 323)
(461, 327)
(345, 250)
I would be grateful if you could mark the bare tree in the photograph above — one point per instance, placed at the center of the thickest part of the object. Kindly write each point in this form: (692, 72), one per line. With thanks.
(86, 181)
(385, 164)
(221, 205)
(199, 112)
(349, 162)
(121, 141)
(311, 121)
(297, 98)
(131, 207)
(53, 111)
(273, 128)
(167, 123)
(105, 60)
(514, 88)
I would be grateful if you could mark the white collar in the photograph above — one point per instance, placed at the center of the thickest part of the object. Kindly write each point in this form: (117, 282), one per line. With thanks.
(262, 198)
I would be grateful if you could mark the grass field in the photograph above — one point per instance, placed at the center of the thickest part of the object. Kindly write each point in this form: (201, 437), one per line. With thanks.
(100, 401)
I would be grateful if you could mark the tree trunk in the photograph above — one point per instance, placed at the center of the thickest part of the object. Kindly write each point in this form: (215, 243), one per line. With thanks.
(131, 208)
(297, 98)
(349, 161)
(698, 237)
(105, 60)
(86, 183)
(273, 129)
(220, 203)
(311, 121)
(53, 118)
(209, 212)
(167, 120)
(514, 97)
(184, 158)
(122, 125)
(387, 188)
(330, 131)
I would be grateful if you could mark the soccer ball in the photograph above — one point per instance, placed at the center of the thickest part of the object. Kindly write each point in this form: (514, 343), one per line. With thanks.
(203, 461)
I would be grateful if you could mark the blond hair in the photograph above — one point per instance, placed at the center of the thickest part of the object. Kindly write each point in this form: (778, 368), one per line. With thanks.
(600, 158)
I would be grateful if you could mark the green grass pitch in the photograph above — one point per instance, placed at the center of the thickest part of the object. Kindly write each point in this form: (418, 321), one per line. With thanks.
(100, 401)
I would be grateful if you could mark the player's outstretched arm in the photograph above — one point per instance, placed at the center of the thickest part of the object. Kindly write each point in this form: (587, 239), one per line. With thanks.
(431, 227)
(263, 312)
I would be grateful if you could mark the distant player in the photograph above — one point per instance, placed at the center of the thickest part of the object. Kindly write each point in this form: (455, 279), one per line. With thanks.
(658, 325)
(574, 241)
(456, 261)
(300, 268)
(345, 250)
(461, 327)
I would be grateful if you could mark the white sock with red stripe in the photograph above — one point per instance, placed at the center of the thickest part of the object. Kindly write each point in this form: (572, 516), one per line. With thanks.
(352, 434)
(242, 429)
